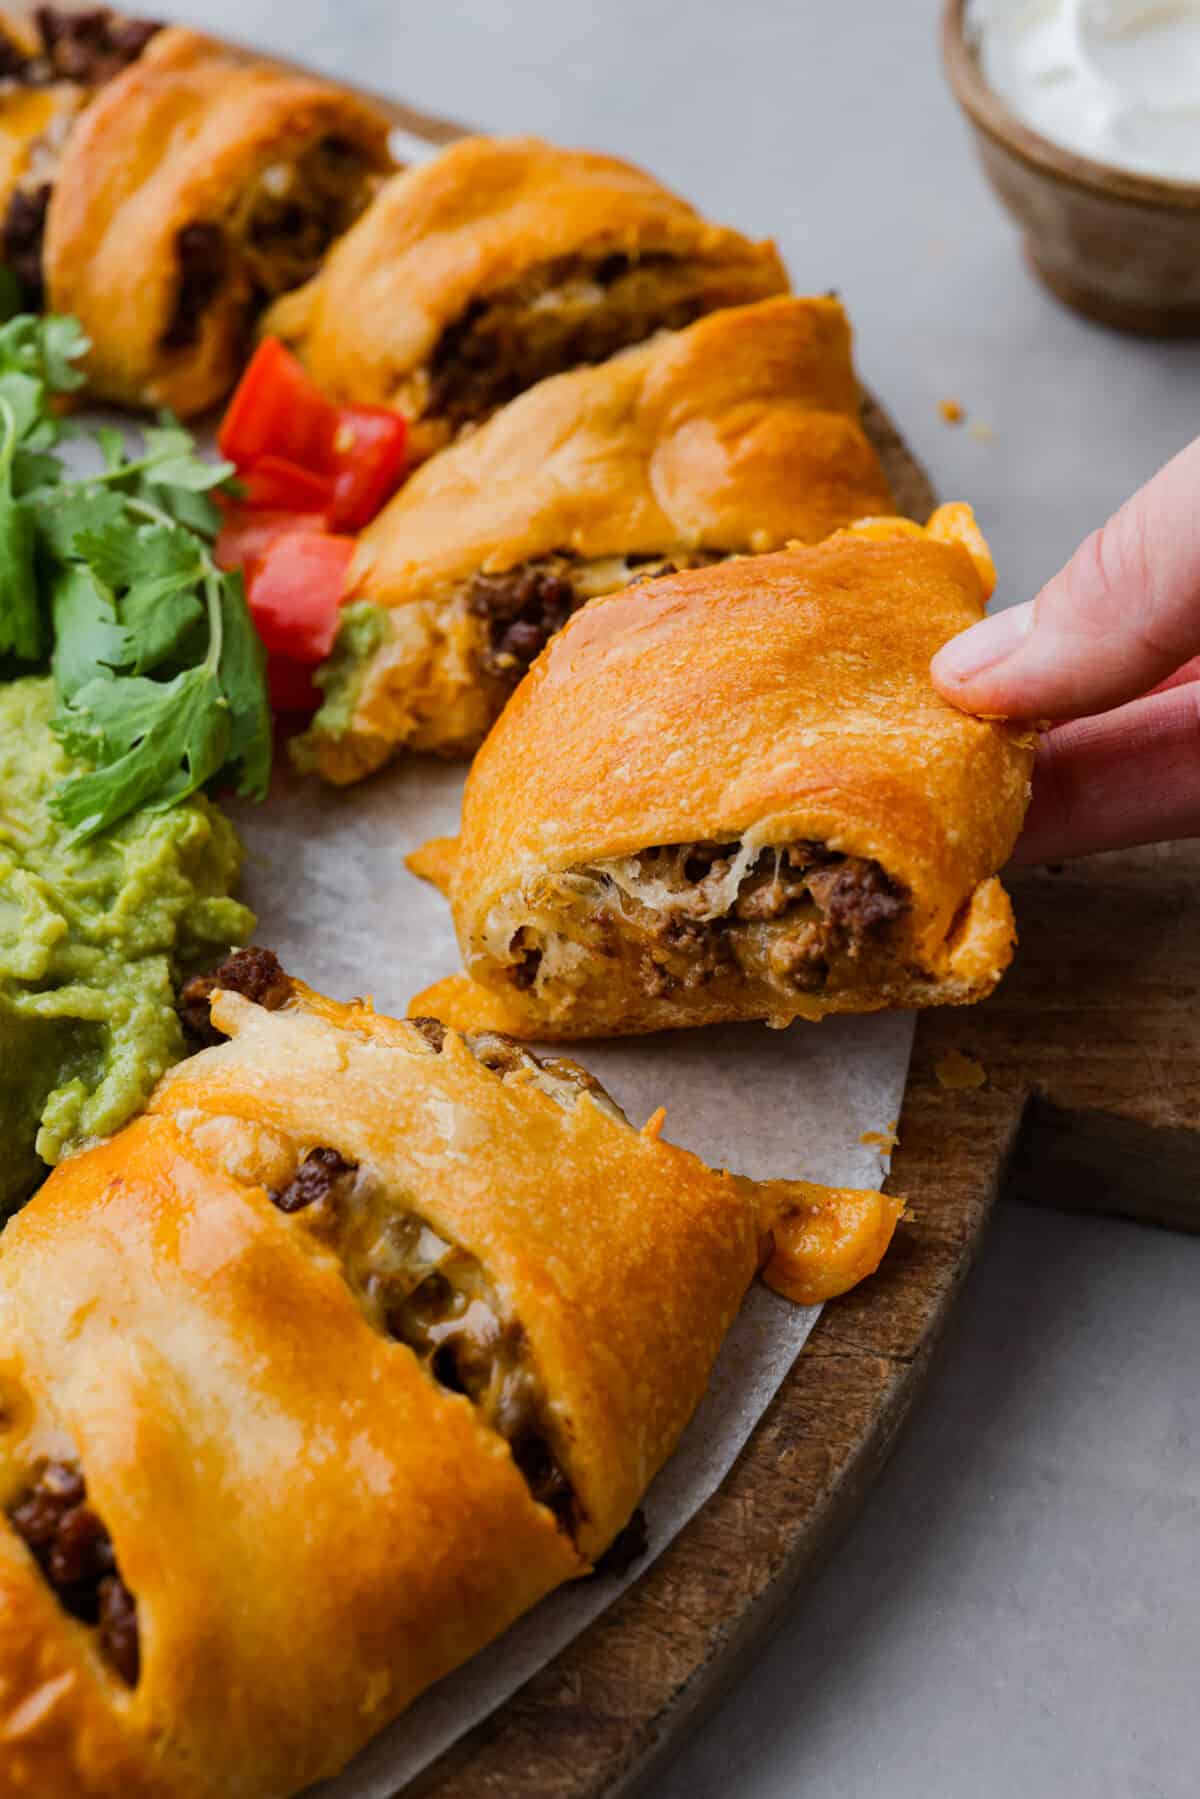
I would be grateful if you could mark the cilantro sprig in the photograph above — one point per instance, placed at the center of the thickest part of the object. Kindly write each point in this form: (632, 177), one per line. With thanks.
(108, 580)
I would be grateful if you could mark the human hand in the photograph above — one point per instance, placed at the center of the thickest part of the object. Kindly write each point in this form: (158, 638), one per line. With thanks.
(1112, 645)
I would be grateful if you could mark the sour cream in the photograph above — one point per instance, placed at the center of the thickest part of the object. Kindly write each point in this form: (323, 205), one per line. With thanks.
(1116, 80)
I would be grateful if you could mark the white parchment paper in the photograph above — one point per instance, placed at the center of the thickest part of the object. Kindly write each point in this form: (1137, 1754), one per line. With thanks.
(325, 873)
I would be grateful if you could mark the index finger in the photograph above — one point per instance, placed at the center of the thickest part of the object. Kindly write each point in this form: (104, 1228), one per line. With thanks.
(1123, 614)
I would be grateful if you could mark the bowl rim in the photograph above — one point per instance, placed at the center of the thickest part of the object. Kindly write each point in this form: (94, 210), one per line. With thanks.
(996, 119)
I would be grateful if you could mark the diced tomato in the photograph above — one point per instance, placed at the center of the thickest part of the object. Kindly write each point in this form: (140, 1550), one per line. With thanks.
(310, 470)
(291, 686)
(247, 531)
(294, 590)
(277, 411)
(295, 451)
(274, 483)
(369, 452)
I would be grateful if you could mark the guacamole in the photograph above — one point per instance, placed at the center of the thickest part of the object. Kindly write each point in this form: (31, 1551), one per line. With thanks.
(362, 633)
(94, 940)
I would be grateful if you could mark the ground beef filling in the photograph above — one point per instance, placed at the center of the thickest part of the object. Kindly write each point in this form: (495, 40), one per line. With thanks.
(22, 233)
(253, 972)
(201, 258)
(413, 1284)
(75, 1553)
(433, 1031)
(89, 47)
(799, 914)
(522, 608)
(526, 960)
(280, 232)
(424, 1291)
(297, 209)
(564, 314)
(563, 1080)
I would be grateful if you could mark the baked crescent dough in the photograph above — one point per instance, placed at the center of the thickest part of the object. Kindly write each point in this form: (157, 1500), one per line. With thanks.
(321, 1373)
(199, 184)
(52, 62)
(735, 793)
(502, 261)
(740, 433)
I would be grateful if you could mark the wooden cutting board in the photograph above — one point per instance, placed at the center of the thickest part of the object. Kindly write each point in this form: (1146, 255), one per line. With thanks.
(1089, 1056)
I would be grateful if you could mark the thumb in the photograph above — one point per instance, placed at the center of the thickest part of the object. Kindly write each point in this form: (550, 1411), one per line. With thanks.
(1123, 613)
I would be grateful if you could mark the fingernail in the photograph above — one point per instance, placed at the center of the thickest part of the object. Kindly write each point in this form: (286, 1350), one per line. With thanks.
(984, 646)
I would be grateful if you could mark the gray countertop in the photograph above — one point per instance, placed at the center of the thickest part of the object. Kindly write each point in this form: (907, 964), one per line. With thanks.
(1016, 1609)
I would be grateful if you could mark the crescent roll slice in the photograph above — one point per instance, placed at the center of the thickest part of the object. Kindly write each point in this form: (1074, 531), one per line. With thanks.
(361, 1341)
(200, 184)
(741, 433)
(734, 793)
(52, 61)
(503, 261)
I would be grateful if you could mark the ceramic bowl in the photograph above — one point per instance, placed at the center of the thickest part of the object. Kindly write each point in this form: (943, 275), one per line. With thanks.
(1121, 248)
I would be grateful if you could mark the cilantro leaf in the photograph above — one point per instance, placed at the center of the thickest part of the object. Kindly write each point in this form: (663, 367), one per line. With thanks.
(242, 673)
(24, 395)
(34, 469)
(22, 632)
(158, 614)
(122, 554)
(22, 629)
(196, 511)
(160, 567)
(67, 512)
(64, 344)
(170, 453)
(99, 725)
(110, 579)
(111, 444)
(46, 348)
(87, 636)
(152, 742)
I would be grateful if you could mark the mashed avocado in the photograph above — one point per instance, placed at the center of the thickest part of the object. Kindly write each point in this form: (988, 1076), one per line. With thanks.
(363, 630)
(94, 939)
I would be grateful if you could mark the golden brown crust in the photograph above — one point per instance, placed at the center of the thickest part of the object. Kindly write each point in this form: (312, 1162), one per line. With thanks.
(305, 1518)
(659, 1253)
(789, 698)
(474, 220)
(434, 861)
(741, 433)
(466, 1006)
(173, 141)
(297, 1509)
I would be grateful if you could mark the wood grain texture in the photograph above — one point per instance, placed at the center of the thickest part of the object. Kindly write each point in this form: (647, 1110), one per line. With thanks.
(1098, 1023)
